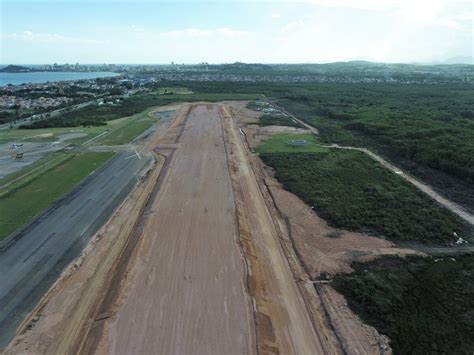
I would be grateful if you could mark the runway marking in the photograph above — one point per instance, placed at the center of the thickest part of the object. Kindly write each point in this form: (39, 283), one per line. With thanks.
(138, 155)
(39, 247)
(84, 230)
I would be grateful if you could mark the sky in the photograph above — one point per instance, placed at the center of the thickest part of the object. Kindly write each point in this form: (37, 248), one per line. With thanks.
(225, 31)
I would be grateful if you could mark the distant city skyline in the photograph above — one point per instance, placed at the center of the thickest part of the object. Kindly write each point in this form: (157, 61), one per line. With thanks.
(161, 32)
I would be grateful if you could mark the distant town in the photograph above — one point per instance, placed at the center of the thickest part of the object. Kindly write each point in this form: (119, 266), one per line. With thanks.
(33, 101)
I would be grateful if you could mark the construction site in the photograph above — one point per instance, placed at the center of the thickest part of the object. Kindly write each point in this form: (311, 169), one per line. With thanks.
(208, 254)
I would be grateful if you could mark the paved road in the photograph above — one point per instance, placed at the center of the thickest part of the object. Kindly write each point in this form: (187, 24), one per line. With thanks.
(31, 263)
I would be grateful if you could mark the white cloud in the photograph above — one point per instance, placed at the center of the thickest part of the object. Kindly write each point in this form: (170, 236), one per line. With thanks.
(136, 28)
(200, 33)
(423, 12)
(466, 16)
(275, 15)
(228, 32)
(449, 23)
(293, 26)
(427, 5)
(45, 38)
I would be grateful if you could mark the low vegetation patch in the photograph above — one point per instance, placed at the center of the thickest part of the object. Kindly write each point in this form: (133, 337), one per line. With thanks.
(272, 116)
(175, 90)
(352, 191)
(424, 305)
(269, 119)
(19, 205)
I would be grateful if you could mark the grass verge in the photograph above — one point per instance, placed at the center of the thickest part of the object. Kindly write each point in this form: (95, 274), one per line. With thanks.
(130, 128)
(424, 305)
(18, 206)
(30, 171)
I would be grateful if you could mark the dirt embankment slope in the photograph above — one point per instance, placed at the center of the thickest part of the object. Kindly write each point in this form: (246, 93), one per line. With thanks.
(283, 321)
(316, 250)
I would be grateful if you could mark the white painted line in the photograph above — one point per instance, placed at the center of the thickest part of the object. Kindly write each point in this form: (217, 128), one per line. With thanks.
(138, 155)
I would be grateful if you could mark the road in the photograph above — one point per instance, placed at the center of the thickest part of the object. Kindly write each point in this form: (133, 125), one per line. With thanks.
(31, 262)
(187, 293)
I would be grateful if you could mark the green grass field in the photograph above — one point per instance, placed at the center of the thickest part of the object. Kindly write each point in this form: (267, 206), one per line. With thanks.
(130, 127)
(119, 131)
(46, 134)
(18, 206)
(278, 143)
(32, 169)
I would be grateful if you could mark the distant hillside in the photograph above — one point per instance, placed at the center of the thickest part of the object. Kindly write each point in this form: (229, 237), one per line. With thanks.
(15, 69)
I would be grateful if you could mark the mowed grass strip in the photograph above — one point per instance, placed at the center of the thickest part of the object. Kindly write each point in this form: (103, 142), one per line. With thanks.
(128, 129)
(352, 191)
(126, 133)
(20, 205)
(33, 169)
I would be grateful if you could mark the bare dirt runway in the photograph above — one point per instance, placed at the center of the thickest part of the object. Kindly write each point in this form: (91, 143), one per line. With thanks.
(186, 292)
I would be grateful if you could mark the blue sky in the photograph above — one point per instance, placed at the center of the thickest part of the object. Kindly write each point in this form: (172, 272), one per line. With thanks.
(106, 31)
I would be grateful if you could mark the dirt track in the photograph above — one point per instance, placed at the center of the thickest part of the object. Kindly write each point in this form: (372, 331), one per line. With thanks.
(428, 190)
(186, 292)
(450, 205)
(283, 322)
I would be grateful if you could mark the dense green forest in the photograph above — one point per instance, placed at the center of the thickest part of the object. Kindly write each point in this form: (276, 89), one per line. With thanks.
(352, 191)
(428, 130)
(425, 129)
(424, 305)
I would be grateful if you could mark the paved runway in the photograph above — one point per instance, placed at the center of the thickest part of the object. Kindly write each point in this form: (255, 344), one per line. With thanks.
(34, 260)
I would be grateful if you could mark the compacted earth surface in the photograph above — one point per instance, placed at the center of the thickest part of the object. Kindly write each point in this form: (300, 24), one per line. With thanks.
(208, 255)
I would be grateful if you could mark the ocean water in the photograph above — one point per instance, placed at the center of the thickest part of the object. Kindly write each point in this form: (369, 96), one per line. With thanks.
(43, 77)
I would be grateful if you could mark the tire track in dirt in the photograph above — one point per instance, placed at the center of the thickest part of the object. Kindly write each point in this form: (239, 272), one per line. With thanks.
(186, 292)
